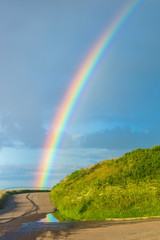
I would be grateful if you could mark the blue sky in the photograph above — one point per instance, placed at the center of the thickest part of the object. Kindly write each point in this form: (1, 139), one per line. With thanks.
(42, 44)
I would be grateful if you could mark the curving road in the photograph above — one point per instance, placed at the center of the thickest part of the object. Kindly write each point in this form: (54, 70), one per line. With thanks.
(20, 205)
(18, 221)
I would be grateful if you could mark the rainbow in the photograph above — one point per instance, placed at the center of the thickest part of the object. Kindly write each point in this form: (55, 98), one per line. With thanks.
(74, 91)
(49, 218)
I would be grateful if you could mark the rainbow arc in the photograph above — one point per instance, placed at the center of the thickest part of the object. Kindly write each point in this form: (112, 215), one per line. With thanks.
(74, 91)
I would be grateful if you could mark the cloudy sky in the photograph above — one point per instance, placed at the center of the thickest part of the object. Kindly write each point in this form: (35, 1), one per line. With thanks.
(42, 45)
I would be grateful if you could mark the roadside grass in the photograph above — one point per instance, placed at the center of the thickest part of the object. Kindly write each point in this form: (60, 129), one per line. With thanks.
(127, 187)
(133, 200)
(4, 194)
(19, 191)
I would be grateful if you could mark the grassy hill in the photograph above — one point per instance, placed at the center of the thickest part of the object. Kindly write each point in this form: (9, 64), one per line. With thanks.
(119, 188)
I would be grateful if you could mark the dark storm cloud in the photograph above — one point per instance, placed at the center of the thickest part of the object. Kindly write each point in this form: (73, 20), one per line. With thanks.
(43, 43)
(27, 134)
(40, 43)
(16, 132)
(121, 138)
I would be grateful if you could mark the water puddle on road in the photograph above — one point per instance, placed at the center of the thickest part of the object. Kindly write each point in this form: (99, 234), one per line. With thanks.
(49, 218)
(32, 227)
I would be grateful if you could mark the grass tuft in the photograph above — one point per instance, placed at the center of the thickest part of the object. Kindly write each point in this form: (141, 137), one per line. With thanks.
(3, 196)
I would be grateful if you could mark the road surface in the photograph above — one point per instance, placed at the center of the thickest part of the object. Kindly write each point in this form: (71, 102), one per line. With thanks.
(19, 221)
(24, 204)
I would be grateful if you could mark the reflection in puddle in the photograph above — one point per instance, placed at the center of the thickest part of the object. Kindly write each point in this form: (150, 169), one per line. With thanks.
(49, 218)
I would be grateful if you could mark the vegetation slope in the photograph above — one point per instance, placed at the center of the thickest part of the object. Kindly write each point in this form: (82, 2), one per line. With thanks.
(119, 188)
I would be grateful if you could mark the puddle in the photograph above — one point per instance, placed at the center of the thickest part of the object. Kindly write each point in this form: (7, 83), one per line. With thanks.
(49, 218)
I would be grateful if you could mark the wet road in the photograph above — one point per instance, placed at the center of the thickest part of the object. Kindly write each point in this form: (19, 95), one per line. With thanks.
(20, 221)
(25, 204)
(148, 230)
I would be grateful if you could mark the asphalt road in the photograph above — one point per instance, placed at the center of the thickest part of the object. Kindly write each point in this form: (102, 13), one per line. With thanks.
(25, 204)
(19, 221)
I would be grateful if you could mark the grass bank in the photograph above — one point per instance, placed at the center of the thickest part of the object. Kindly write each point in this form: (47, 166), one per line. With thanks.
(4, 194)
(127, 187)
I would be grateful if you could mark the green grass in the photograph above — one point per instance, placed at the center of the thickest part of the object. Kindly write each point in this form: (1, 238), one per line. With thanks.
(4, 194)
(12, 192)
(127, 187)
